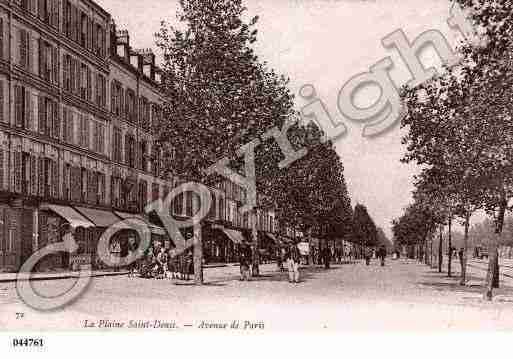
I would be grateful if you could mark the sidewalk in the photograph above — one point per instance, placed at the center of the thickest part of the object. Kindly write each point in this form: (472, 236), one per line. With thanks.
(11, 277)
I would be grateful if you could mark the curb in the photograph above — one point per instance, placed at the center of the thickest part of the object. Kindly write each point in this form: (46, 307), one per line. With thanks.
(63, 276)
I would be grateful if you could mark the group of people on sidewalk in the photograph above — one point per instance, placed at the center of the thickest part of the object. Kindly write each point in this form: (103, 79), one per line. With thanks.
(290, 256)
(162, 263)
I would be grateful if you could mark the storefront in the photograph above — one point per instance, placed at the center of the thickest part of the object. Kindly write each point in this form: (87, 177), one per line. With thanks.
(54, 222)
(222, 244)
(118, 243)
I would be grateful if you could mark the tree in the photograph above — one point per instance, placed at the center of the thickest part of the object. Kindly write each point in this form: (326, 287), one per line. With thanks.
(219, 96)
(222, 97)
(365, 232)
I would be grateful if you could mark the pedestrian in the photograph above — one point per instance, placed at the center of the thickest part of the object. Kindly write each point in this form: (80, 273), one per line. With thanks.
(244, 262)
(293, 258)
(382, 253)
(461, 253)
(190, 264)
(279, 261)
(367, 255)
(162, 263)
(326, 257)
(132, 248)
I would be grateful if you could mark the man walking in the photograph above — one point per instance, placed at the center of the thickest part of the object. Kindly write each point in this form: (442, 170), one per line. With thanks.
(293, 263)
(245, 261)
(382, 253)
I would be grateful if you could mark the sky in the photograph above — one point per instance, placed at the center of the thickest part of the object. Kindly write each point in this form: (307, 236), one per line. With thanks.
(325, 43)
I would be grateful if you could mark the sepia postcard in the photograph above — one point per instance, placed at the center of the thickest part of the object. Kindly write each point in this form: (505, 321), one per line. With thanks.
(197, 167)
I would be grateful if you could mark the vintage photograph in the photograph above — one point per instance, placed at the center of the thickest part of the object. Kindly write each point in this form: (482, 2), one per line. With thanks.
(255, 166)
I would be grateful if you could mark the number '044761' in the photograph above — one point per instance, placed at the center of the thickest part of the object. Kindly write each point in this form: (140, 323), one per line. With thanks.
(27, 342)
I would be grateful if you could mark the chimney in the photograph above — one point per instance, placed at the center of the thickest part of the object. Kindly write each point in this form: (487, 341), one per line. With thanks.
(123, 44)
(136, 60)
(149, 63)
(158, 75)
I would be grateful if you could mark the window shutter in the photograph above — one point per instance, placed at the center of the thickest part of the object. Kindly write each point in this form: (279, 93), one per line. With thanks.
(17, 172)
(79, 77)
(73, 23)
(56, 121)
(94, 37)
(65, 17)
(113, 97)
(56, 14)
(18, 105)
(2, 185)
(30, 50)
(41, 114)
(49, 117)
(55, 63)
(33, 175)
(65, 132)
(2, 102)
(40, 9)
(1, 38)
(42, 58)
(127, 149)
(87, 133)
(55, 181)
(89, 84)
(41, 176)
(27, 123)
(65, 70)
(121, 99)
(23, 48)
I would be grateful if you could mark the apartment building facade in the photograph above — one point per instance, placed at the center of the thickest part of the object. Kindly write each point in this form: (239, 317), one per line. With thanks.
(78, 108)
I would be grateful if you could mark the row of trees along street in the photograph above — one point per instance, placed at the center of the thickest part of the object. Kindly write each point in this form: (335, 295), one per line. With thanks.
(220, 96)
(460, 132)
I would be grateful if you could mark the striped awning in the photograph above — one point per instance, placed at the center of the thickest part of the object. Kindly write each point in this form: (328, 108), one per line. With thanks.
(234, 235)
(74, 218)
(273, 237)
(102, 219)
(153, 228)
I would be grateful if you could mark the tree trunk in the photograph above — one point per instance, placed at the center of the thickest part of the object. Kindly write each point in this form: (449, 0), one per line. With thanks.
(440, 250)
(465, 247)
(431, 261)
(449, 264)
(492, 275)
(198, 246)
(254, 236)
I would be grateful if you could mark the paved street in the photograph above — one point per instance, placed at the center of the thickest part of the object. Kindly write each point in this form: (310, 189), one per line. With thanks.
(403, 295)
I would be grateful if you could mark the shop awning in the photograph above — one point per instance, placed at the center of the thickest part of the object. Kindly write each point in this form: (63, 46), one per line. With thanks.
(273, 237)
(234, 235)
(153, 228)
(74, 218)
(102, 218)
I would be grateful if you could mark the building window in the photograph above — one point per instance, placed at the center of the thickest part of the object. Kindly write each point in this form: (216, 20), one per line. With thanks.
(130, 151)
(143, 195)
(84, 131)
(130, 114)
(99, 138)
(155, 191)
(144, 113)
(101, 91)
(117, 145)
(178, 204)
(24, 48)
(117, 98)
(67, 118)
(143, 156)
(48, 62)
